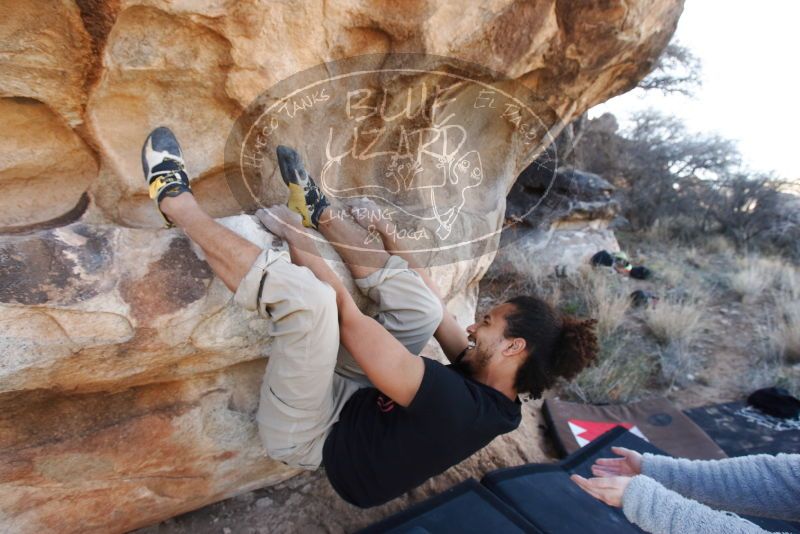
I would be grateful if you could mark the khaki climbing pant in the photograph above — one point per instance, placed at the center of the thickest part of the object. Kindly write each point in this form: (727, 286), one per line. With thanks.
(303, 390)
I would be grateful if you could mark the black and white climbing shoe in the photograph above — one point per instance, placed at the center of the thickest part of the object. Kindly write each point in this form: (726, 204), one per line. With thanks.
(164, 168)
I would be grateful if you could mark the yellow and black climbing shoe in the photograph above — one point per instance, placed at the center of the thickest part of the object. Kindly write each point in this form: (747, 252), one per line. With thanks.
(163, 166)
(304, 196)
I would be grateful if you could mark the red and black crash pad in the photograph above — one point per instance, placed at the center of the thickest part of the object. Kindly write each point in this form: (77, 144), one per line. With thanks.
(573, 425)
(467, 507)
(740, 429)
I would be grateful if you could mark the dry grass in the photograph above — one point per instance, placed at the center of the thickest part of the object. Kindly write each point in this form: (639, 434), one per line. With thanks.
(670, 272)
(754, 276)
(784, 334)
(661, 231)
(764, 374)
(773, 367)
(719, 244)
(621, 374)
(646, 351)
(777, 342)
(501, 286)
(677, 267)
(788, 283)
(677, 362)
(605, 298)
(518, 275)
(675, 321)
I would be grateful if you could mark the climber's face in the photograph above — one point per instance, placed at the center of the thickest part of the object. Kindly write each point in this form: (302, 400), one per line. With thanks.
(487, 339)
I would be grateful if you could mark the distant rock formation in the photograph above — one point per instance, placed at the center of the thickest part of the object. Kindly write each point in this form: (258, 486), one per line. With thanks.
(556, 224)
(538, 200)
(128, 378)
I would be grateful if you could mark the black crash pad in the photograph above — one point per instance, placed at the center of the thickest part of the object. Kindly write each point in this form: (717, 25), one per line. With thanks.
(465, 508)
(740, 429)
(545, 496)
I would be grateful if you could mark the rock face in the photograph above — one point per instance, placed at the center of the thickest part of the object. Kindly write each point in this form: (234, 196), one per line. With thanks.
(128, 380)
(557, 224)
(45, 167)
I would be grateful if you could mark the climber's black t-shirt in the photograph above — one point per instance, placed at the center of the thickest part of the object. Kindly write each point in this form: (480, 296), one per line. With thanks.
(378, 450)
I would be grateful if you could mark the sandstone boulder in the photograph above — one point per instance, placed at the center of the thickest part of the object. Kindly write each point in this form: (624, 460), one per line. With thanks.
(46, 56)
(45, 167)
(556, 224)
(130, 381)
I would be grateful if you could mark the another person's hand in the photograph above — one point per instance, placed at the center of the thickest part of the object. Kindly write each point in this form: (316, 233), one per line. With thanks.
(280, 220)
(607, 489)
(629, 465)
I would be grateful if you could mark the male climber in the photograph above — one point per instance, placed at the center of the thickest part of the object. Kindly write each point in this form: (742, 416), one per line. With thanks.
(412, 417)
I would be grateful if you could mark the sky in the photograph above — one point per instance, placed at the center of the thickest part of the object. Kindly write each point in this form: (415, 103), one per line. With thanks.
(750, 80)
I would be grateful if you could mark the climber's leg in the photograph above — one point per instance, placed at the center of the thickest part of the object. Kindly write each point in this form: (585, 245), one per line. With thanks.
(407, 308)
(361, 250)
(364, 254)
(228, 254)
(301, 396)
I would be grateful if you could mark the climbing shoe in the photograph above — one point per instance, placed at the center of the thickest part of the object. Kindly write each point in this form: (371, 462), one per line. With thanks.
(163, 166)
(304, 196)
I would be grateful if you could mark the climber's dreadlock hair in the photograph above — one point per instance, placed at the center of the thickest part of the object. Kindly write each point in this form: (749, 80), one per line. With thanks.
(558, 346)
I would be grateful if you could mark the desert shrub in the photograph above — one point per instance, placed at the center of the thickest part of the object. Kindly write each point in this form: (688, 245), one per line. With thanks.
(658, 232)
(677, 361)
(773, 364)
(517, 275)
(681, 185)
(783, 212)
(754, 276)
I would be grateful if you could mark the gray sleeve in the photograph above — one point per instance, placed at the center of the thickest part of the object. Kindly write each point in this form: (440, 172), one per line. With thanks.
(657, 510)
(761, 485)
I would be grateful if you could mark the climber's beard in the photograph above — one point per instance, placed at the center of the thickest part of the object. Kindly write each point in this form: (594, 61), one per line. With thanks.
(474, 360)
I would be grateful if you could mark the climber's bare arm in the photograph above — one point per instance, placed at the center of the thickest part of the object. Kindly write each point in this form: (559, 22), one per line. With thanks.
(387, 363)
(451, 337)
